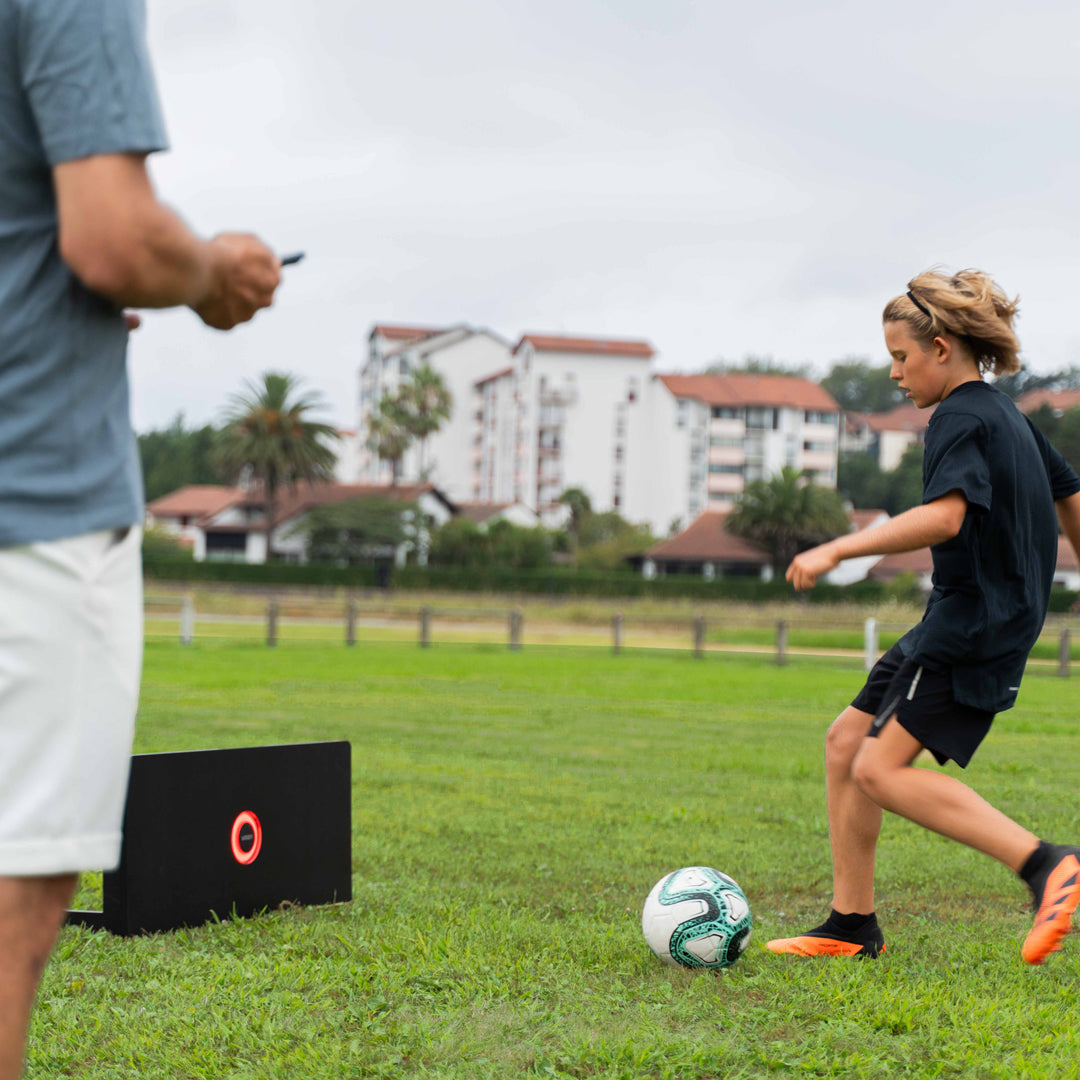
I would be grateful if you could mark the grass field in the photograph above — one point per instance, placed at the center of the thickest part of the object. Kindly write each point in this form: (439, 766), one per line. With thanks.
(511, 811)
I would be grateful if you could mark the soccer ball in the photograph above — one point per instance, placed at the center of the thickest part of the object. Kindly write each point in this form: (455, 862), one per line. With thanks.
(697, 917)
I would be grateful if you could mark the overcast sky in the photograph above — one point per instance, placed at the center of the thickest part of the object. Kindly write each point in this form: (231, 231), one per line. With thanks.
(718, 178)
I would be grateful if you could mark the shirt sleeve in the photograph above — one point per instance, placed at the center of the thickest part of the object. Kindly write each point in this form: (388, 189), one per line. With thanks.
(956, 459)
(87, 75)
(1063, 479)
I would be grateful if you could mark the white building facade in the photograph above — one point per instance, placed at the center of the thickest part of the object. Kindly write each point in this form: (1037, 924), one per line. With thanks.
(461, 355)
(560, 416)
(709, 435)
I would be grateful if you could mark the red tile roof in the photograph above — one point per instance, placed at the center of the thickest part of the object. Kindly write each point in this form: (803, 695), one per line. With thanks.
(863, 519)
(916, 562)
(592, 346)
(905, 417)
(195, 500)
(479, 512)
(1058, 400)
(740, 389)
(394, 332)
(501, 374)
(707, 540)
(294, 501)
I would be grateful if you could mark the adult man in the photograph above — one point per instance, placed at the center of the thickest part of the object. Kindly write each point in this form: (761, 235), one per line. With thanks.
(82, 236)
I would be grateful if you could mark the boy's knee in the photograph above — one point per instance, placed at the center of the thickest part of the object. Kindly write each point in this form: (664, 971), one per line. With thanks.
(870, 775)
(844, 738)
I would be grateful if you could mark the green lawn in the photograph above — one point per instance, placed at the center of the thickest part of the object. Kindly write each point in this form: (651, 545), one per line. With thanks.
(511, 811)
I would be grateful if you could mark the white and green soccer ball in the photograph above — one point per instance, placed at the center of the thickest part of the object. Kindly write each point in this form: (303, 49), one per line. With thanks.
(697, 917)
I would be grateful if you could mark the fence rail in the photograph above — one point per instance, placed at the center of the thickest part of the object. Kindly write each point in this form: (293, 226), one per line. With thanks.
(701, 635)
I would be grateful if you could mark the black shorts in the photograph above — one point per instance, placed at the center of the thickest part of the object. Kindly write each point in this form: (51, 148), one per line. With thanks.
(922, 702)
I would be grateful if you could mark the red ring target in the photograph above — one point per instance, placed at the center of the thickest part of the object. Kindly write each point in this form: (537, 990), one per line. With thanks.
(245, 856)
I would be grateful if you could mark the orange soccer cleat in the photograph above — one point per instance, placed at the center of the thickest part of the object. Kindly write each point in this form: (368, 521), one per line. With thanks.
(829, 939)
(1054, 907)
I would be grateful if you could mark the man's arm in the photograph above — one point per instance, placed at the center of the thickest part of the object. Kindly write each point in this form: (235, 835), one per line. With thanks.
(1068, 511)
(121, 242)
(919, 527)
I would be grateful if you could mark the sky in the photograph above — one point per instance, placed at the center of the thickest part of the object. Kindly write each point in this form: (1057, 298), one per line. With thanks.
(719, 179)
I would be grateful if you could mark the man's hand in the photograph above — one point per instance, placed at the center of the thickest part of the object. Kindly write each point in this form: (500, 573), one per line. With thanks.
(244, 275)
(806, 568)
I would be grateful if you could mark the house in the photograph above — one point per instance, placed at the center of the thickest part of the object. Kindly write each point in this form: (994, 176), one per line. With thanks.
(461, 354)
(704, 437)
(485, 514)
(885, 435)
(707, 548)
(226, 523)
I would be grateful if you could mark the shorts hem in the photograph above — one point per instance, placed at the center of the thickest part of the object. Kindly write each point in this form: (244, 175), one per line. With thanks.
(48, 858)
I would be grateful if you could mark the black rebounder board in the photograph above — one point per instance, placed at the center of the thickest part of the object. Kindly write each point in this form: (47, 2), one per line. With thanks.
(229, 832)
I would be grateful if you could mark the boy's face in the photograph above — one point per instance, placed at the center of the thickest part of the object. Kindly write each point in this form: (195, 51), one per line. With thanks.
(922, 373)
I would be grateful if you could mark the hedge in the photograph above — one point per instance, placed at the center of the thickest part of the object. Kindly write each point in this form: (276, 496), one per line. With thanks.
(558, 581)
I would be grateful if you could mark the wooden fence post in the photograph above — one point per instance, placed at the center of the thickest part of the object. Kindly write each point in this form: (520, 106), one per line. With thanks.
(187, 620)
(699, 637)
(425, 627)
(616, 631)
(781, 643)
(516, 619)
(870, 644)
(271, 621)
(350, 621)
(1064, 652)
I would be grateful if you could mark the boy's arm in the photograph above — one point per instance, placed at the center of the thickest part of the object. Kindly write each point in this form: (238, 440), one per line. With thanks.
(919, 527)
(1068, 511)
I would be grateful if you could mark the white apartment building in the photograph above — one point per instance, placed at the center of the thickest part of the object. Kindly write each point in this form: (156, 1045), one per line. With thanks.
(703, 437)
(560, 416)
(460, 354)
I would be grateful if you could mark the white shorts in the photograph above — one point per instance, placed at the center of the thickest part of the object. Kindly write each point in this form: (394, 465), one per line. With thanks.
(71, 640)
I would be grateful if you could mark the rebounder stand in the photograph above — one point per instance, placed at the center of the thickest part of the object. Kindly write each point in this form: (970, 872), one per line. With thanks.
(228, 833)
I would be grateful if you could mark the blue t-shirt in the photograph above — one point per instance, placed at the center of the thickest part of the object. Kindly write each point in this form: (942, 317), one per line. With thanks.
(992, 580)
(75, 81)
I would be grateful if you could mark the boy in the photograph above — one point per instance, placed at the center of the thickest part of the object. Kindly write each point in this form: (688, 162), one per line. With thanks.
(991, 486)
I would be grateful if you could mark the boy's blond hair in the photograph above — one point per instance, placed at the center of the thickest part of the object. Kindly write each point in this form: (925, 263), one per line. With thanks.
(970, 306)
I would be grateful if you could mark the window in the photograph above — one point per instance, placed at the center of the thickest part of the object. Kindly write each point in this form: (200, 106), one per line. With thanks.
(818, 445)
(681, 410)
(722, 412)
(736, 470)
(760, 418)
(722, 440)
(812, 417)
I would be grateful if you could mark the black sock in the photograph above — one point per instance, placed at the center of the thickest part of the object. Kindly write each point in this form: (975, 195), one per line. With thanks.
(852, 922)
(1038, 866)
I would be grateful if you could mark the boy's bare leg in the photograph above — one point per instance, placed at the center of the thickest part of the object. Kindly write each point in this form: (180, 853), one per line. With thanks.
(32, 911)
(941, 803)
(854, 819)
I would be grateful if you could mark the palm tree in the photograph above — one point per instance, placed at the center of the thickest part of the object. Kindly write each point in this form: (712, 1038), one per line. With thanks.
(424, 404)
(579, 504)
(267, 433)
(786, 514)
(388, 437)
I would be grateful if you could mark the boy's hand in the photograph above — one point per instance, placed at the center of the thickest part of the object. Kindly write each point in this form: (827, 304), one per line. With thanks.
(806, 568)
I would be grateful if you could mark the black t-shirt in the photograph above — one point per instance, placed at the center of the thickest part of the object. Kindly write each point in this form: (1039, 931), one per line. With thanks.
(992, 580)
